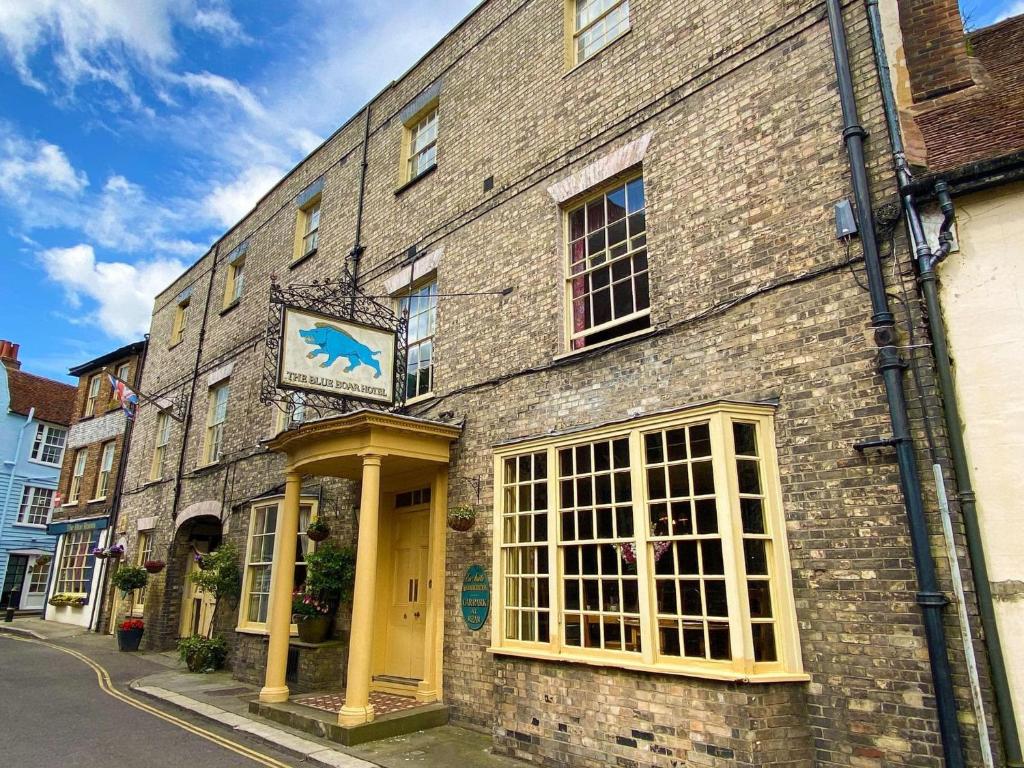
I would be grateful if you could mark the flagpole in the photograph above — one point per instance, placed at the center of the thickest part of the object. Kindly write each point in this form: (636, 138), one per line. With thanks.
(153, 401)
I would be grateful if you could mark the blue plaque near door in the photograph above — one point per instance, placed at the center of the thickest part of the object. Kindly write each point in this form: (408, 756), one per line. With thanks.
(476, 597)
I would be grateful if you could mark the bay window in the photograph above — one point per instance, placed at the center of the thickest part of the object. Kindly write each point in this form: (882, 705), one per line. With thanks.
(655, 544)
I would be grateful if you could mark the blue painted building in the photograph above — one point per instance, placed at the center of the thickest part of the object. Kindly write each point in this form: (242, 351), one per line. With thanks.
(34, 416)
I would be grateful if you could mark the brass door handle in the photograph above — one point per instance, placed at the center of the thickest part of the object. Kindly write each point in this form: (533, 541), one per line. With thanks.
(405, 616)
(416, 615)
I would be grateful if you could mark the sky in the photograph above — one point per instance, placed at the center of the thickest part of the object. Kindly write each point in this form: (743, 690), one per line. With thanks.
(134, 132)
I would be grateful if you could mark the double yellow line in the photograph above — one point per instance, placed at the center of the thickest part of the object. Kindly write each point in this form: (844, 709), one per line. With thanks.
(103, 679)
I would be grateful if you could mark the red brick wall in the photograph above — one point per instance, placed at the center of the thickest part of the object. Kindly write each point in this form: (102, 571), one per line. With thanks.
(935, 47)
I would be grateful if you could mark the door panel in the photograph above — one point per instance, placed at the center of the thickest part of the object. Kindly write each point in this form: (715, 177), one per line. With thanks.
(14, 581)
(34, 593)
(408, 601)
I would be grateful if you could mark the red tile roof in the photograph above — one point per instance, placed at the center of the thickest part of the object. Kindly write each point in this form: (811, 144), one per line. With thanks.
(53, 401)
(988, 123)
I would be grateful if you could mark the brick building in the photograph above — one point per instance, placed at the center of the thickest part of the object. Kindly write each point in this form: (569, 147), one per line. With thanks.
(635, 348)
(90, 487)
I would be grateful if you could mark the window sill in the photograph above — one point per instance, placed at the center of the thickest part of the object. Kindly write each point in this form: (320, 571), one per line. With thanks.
(43, 463)
(230, 306)
(643, 332)
(303, 258)
(96, 501)
(578, 65)
(294, 632)
(67, 504)
(173, 344)
(33, 526)
(420, 398)
(415, 180)
(726, 676)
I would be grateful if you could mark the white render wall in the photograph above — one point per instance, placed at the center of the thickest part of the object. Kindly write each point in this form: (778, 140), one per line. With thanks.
(982, 292)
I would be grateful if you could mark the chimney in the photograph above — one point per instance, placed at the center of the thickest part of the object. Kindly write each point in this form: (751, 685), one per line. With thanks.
(935, 46)
(9, 354)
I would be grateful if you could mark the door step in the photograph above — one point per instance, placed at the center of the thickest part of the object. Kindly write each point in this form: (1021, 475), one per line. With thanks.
(399, 686)
(412, 681)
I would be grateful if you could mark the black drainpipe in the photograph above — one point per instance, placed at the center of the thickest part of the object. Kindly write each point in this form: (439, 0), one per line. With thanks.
(356, 254)
(891, 367)
(926, 261)
(192, 391)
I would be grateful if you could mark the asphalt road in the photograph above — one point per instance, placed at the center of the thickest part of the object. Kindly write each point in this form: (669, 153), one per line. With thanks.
(53, 712)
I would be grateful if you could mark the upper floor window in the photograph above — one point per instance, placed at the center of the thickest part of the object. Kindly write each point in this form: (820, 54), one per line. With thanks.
(105, 470)
(180, 320)
(48, 445)
(420, 305)
(596, 23)
(163, 437)
(78, 472)
(236, 280)
(92, 395)
(658, 545)
(122, 372)
(420, 146)
(607, 292)
(216, 416)
(35, 505)
(307, 230)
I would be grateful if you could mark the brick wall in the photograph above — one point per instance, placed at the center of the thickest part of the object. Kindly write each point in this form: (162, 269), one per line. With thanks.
(752, 299)
(935, 46)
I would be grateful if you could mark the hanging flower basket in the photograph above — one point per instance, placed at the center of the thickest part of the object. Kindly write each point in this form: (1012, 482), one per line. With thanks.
(115, 551)
(200, 561)
(154, 566)
(99, 553)
(318, 530)
(461, 518)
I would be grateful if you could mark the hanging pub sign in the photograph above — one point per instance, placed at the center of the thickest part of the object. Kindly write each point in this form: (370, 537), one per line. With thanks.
(476, 597)
(336, 357)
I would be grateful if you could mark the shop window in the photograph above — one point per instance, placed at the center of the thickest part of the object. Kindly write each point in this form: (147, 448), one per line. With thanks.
(593, 25)
(607, 289)
(92, 396)
(48, 445)
(180, 321)
(35, 506)
(216, 417)
(658, 545)
(255, 600)
(75, 489)
(106, 469)
(161, 441)
(75, 569)
(420, 305)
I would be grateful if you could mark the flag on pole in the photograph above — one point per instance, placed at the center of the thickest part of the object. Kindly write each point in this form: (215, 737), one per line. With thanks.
(128, 399)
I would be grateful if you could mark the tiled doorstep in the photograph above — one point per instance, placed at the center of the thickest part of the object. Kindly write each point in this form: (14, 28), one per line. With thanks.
(288, 742)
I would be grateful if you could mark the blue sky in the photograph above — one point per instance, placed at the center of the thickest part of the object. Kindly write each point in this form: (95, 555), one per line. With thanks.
(134, 132)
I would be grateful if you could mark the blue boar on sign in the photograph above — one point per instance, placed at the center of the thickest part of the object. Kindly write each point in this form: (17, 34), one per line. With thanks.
(334, 342)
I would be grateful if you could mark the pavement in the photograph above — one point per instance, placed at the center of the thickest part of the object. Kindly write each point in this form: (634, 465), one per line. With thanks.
(216, 701)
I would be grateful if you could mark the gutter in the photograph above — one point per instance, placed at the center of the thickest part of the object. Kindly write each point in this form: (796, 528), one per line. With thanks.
(979, 175)
(891, 367)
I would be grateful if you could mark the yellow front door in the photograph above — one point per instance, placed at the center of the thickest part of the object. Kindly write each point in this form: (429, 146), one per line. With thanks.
(408, 601)
(196, 606)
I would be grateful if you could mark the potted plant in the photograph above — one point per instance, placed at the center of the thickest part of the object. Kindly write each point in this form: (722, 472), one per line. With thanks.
(129, 577)
(99, 553)
(311, 616)
(330, 574)
(154, 566)
(461, 518)
(115, 551)
(318, 530)
(129, 634)
(203, 654)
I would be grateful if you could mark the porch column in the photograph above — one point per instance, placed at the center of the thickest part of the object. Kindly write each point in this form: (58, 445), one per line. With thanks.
(357, 707)
(282, 582)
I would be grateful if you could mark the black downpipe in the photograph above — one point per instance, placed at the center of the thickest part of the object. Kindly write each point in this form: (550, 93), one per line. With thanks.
(356, 254)
(958, 451)
(891, 368)
(192, 391)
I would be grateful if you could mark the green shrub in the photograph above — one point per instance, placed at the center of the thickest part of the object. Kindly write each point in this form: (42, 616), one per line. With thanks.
(129, 577)
(203, 654)
(331, 573)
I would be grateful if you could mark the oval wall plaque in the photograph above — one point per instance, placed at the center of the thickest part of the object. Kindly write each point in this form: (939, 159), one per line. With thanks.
(476, 597)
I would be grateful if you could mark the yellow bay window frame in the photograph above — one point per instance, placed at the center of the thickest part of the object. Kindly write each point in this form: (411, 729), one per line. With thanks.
(308, 510)
(740, 520)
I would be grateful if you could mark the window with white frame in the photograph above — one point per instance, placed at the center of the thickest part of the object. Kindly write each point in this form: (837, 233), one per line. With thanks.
(105, 470)
(38, 575)
(143, 553)
(163, 438)
(92, 396)
(658, 544)
(420, 305)
(421, 144)
(216, 417)
(122, 372)
(74, 571)
(78, 472)
(35, 505)
(48, 445)
(607, 291)
(255, 601)
(307, 229)
(595, 24)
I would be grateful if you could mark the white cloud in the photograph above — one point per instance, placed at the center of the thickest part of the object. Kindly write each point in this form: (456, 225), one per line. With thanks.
(29, 165)
(219, 21)
(113, 295)
(1016, 9)
(225, 88)
(229, 202)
